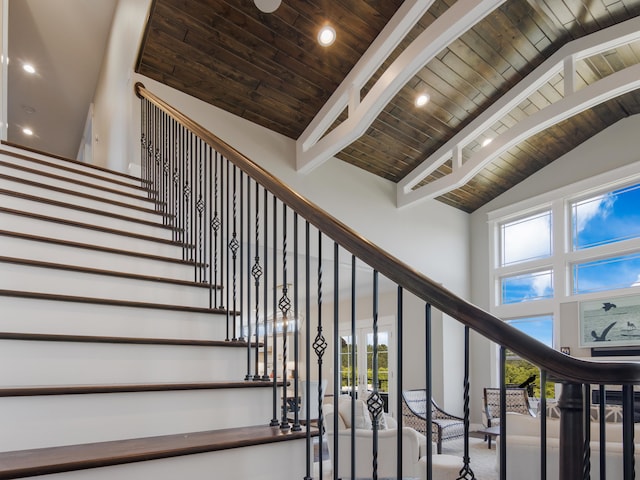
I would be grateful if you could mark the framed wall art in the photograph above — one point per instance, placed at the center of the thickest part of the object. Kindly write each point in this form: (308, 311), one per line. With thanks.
(612, 322)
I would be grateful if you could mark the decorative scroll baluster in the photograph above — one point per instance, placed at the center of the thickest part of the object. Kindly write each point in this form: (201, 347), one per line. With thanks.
(307, 342)
(274, 330)
(374, 402)
(320, 345)
(215, 228)
(248, 376)
(234, 245)
(256, 272)
(466, 472)
(284, 304)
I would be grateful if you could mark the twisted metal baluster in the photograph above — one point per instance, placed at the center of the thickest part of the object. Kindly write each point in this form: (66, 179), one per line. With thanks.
(320, 344)
(274, 359)
(465, 472)
(374, 402)
(200, 208)
(284, 304)
(215, 226)
(234, 245)
(256, 271)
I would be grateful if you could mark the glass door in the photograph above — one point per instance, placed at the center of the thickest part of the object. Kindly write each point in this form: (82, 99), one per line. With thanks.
(355, 378)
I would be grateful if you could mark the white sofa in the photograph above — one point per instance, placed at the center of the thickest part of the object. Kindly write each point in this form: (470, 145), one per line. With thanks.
(445, 467)
(523, 448)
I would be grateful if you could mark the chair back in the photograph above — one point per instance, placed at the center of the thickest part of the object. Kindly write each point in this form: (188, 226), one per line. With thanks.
(517, 401)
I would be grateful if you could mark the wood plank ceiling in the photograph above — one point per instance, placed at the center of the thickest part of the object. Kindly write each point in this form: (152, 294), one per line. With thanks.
(268, 68)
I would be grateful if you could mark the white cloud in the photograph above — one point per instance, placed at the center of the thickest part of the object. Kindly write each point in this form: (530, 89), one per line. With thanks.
(637, 282)
(527, 239)
(600, 206)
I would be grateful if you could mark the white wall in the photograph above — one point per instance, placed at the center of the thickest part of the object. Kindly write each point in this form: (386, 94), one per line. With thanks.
(610, 149)
(114, 104)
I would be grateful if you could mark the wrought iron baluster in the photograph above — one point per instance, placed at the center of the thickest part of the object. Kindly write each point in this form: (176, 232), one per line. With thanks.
(265, 335)
(256, 271)
(320, 346)
(307, 343)
(429, 388)
(234, 246)
(284, 305)
(296, 317)
(374, 402)
(274, 330)
(215, 228)
(466, 472)
(248, 376)
(400, 370)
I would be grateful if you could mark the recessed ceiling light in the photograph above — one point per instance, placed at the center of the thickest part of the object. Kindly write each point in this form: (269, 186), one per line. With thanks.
(487, 141)
(267, 6)
(326, 36)
(27, 131)
(27, 67)
(422, 100)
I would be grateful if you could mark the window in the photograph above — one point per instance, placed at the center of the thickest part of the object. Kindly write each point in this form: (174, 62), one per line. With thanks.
(518, 370)
(540, 328)
(526, 239)
(529, 286)
(608, 274)
(606, 218)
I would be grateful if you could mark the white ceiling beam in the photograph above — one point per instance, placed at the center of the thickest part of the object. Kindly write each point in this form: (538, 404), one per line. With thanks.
(585, 47)
(599, 92)
(312, 148)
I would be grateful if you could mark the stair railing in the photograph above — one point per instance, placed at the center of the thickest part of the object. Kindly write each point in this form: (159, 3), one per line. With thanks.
(251, 237)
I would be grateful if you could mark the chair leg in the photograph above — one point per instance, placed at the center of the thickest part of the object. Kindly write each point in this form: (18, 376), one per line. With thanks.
(439, 446)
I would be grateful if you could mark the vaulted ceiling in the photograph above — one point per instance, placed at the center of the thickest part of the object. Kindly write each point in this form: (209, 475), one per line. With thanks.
(493, 70)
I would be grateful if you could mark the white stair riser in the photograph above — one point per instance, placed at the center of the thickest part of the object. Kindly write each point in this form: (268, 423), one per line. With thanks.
(43, 192)
(40, 208)
(64, 282)
(115, 192)
(69, 255)
(27, 362)
(19, 223)
(78, 168)
(105, 181)
(71, 318)
(274, 461)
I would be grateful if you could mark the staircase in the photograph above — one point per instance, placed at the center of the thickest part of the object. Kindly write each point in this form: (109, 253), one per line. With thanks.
(113, 364)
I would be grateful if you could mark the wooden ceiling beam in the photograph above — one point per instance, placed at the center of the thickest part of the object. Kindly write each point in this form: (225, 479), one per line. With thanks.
(573, 103)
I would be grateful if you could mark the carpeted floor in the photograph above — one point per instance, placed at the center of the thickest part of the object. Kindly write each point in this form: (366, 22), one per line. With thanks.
(483, 460)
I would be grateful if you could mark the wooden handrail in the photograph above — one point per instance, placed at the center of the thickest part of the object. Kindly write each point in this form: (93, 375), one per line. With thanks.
(559, 366)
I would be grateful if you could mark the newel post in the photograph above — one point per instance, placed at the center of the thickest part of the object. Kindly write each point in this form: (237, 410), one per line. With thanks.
(571, 431)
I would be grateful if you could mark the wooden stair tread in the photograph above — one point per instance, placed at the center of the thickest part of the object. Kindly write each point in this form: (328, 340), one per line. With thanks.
(97, 271)
(70, 161)
(80, 208)
(108, 301)
(40, 390)
(87, 196)
(88, 226)
(42, 461)
(103, 178)
(87, 246)
(57, 337)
